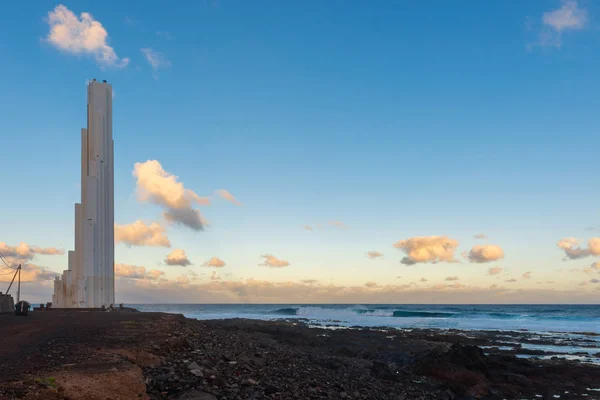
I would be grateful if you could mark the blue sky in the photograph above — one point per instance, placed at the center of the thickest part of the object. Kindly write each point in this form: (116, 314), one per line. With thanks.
(398, 119)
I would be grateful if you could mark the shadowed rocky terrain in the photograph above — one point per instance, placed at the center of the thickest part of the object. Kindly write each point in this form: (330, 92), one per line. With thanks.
(132, 355)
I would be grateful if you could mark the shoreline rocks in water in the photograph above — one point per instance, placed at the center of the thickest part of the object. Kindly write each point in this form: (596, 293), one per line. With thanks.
(72, 355)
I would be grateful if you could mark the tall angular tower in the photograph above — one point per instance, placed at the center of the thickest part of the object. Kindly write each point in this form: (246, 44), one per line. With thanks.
(90, 279)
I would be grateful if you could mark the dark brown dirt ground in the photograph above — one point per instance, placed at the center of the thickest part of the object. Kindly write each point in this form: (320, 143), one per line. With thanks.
(132, 355)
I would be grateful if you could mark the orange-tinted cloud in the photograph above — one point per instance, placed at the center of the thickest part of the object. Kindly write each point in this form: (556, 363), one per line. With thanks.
(495, 270)
(573, 251)
(157, 186)
(338, 224)
(84, 35)
(23, 252)
(423, 249)
(485, 253)
(273, 262)
(214, 262)
(374, 254)
(141, 234)
(127, 271)
(177, 257)
(29, 273)
(225, 195)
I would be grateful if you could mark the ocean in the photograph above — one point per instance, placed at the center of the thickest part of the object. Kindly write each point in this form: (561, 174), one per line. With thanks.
(537, 318)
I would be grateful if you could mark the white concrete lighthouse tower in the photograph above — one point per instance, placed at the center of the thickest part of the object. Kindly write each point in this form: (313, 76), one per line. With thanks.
(90, 279)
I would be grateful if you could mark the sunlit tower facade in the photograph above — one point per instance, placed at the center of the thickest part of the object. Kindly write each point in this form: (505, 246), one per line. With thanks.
(89, 281)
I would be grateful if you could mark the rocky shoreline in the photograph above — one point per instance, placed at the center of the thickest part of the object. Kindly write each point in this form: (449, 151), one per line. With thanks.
(120, 355)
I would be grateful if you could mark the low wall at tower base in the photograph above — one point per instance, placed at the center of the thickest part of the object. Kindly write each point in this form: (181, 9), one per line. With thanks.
(7, 304)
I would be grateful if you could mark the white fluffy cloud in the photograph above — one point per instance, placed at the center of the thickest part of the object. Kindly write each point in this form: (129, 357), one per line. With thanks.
(82, 35)
(374, 254)
(422, 249)
(157, 186)
(486, 253)
(273, 262)
(214, 262)
(177, 257)
(141, 234)
(225, 195)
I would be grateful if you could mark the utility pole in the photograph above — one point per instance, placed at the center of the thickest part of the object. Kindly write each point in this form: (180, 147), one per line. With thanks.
(18, 271)
(19, 286)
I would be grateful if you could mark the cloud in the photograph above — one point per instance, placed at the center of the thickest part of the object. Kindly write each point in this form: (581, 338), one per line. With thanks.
(594, 280)
(374, 254)
(262, 291)
(214, 276)
(452, 278)
(423, 249)
(486, 253)
(82, 35)
(308, 228)
(127, 271)
(155, 59)
(141, 234)
(23, 252)
(495, 270)
(30, 273)
(214, 263)
(183, 280)
(569, 17)
(526, 275)
(338, 224)
(371, 284)
(594, 246)
(573, 252)
(510, 280)
(309, 281)
(225, 195)
(423, 279)
(273, 262)
(187, 217)
(156, 186)
(177, 257)
(594, 267)
(480, 236)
